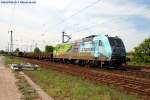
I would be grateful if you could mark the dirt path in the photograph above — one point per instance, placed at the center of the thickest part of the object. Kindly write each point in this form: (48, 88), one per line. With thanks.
(8, 88)
(42, 94)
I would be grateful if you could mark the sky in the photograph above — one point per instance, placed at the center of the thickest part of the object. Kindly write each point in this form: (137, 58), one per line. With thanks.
(42, 23)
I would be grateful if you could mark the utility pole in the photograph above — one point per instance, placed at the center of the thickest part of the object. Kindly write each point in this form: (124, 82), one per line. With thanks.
(8, 47)
(63, 37)
(11, 41)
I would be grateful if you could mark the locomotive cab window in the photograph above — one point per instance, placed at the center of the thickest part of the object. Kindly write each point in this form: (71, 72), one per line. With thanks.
(100, 43)
(116, 42)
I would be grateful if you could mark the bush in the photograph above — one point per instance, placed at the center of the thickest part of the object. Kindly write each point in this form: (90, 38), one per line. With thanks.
(37, 50)
(146, 58)
(142, 52)
(49, 49)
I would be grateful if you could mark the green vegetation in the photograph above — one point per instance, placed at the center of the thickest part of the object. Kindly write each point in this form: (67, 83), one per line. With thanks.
(66, 87)
(10, 60)
(141, 53)
(49, 49)
(28, 93)
(2, 51)
(37, 50)
(17, 50)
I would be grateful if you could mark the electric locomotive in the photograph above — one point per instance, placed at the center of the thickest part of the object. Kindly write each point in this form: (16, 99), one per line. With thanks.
(94, 49)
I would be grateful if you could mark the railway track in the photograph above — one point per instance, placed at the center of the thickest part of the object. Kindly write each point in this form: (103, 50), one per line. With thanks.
(131, 84)
(140, 73)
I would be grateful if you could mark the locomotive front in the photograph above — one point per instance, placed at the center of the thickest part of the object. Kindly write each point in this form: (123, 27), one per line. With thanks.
(118, 54)
(109, 49)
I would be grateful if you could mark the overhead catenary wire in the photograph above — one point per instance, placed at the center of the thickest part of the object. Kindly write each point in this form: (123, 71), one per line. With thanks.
(76, 13)
(81, 10)
(45, 25)
(11, 20)
(95, 25)
(89, 27)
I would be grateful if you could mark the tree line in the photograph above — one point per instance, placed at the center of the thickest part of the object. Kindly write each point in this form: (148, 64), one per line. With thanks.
(141, 53)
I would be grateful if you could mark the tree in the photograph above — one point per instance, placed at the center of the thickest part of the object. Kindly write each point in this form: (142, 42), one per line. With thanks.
(49, 49)
(2, 51)
(142, 52)
(17, 50)
(37, 50)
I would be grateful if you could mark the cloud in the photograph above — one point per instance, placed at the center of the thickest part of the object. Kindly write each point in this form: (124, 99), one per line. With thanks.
(45, 21)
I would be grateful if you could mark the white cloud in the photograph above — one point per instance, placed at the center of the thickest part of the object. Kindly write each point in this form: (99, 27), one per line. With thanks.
(44, 21)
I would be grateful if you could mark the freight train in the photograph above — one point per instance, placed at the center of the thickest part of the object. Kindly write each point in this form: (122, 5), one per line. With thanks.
(94, 50)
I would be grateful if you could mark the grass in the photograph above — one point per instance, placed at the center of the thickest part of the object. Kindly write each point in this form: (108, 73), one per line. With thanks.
(28, 93)
(10, 60)
(138, 64)
(62, 86)
(66, 87)
(134, 63)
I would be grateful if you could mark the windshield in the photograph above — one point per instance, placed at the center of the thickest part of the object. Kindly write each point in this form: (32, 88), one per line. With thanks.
(115, 42)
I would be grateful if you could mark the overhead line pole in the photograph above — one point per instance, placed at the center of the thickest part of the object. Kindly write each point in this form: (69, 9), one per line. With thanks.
(11, 41)
(8, 47)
